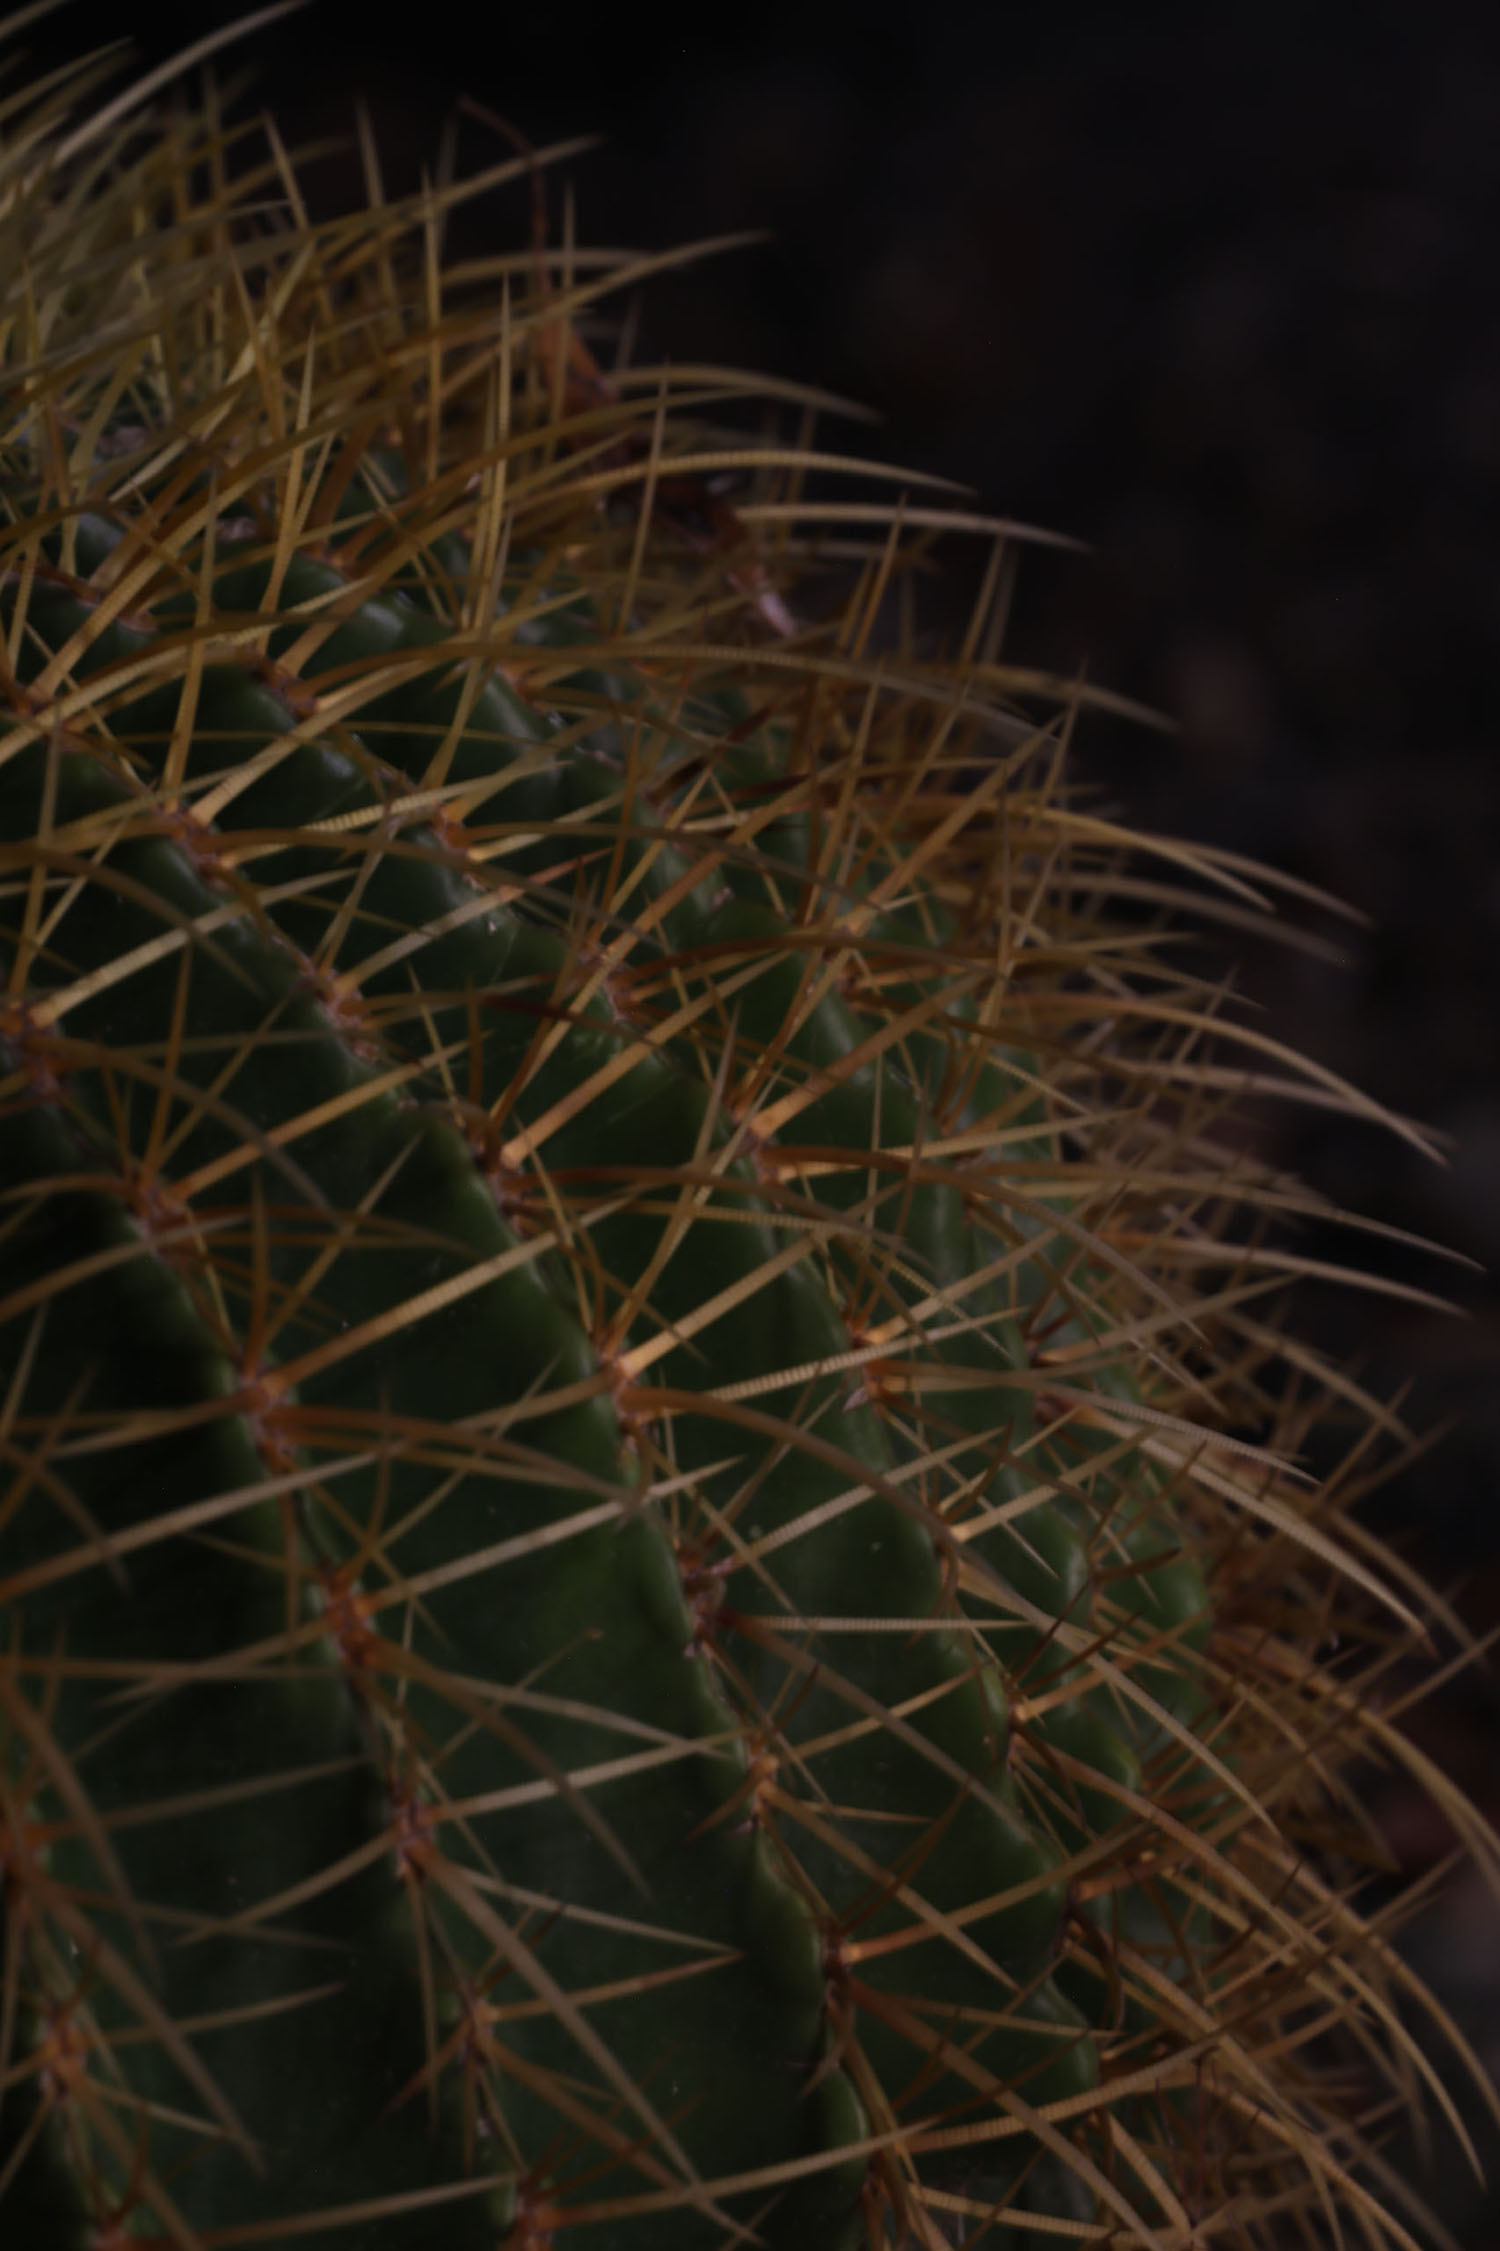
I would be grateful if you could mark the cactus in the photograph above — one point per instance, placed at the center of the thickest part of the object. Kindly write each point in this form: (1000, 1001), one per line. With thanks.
(659, 1578)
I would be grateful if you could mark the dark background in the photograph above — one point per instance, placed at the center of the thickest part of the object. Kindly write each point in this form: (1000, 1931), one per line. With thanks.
(1217, 289)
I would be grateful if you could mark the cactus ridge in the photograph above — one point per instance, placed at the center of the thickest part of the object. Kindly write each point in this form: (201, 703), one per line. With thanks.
(657, 1593)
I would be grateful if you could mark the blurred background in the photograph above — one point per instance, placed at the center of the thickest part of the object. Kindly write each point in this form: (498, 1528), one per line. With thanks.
(1215, 289)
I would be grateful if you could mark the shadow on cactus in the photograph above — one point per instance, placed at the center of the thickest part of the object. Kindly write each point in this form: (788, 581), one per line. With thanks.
(658, 1578)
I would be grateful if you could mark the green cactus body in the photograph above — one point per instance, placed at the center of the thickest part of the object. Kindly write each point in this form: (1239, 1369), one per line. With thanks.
(567, 1677)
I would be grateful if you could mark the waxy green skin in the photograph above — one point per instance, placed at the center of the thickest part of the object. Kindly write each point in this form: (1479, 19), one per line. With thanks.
(716, 2072)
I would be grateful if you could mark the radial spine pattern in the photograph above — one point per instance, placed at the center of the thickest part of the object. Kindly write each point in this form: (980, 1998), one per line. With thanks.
(659, 1579)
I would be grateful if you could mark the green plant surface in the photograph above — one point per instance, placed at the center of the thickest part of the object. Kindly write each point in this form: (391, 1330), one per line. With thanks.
(657, 1579)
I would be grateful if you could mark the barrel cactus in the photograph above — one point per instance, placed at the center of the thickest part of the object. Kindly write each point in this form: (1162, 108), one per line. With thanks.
(660, 1581)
